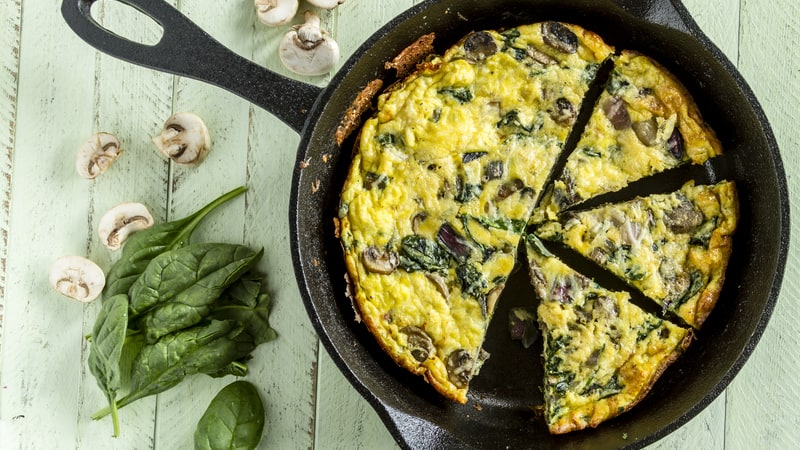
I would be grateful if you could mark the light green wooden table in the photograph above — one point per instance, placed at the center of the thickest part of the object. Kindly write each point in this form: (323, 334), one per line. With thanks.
(55, 91)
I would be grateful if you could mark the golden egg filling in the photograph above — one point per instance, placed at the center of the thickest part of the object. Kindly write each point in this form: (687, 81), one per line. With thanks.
(444, 180)
(602, 353)
(674, 247)
(643, 123)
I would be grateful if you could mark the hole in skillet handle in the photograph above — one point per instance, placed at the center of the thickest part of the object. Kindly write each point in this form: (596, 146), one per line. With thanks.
(176, 53)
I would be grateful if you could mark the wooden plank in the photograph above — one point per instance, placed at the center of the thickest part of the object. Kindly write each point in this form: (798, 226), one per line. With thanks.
(130, 102)
(11, 13)
(42, 345)
(764, 399)
(250, 147)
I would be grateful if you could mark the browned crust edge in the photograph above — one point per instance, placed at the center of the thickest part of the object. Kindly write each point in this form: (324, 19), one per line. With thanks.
(406, 61)
(357, 298)
(721, 243)
(677, 98)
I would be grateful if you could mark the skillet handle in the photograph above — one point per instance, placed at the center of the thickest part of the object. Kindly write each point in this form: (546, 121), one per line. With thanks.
(670, 13)
(289, 100)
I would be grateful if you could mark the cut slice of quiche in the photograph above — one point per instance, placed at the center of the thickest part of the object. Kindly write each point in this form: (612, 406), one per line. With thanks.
(643, 123)
(674, 247)
(602, 353)
(442, 183)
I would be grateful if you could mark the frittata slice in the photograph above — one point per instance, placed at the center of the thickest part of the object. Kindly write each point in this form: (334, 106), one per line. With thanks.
(602, 354)
(644, 122)
(443, 180)
(673, 247)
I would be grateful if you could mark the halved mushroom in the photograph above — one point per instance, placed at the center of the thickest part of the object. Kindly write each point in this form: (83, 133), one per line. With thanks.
(307, 50)
(559, 37)
(276, 12)
(77, 277)
(459, 366)
(184, 139)
(97, 154)
(480, 45)
(380, 261)
(121, 221)
(419, 343)
(326, 4)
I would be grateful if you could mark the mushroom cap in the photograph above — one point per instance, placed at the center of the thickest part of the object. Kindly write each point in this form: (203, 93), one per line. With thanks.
(184, 139)
(307, 50)
(276, 12)
(121, 221)
(77, 278)
(97, 154)
(326, 4)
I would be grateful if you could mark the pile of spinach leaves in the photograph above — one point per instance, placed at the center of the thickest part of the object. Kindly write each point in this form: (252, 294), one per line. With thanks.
(172, 308)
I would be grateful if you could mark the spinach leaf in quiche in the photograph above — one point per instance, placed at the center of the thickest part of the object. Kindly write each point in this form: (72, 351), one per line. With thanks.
(421, 254)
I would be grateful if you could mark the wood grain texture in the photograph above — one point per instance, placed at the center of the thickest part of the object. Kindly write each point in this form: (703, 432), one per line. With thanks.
(41, 367)
(764, 399)
(57, 91)
(132, 103)
(11, 14)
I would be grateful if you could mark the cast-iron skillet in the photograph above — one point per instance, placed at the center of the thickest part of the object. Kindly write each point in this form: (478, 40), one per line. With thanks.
(500, 413)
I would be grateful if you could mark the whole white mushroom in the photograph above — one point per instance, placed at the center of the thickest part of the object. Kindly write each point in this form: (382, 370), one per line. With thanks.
(308, 50)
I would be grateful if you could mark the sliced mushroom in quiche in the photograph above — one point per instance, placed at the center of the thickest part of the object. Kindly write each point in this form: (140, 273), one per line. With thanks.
(443, 181)
(674, 247)
(643, 123)
(602, 353)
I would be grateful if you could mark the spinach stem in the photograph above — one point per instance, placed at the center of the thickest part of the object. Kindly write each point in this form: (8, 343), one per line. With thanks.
(199, 215)
(115, 418)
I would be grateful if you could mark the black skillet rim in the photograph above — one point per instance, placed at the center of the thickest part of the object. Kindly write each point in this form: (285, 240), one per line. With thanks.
(385, 411)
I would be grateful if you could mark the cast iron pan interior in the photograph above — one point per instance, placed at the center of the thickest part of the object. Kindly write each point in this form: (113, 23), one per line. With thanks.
(500, 413)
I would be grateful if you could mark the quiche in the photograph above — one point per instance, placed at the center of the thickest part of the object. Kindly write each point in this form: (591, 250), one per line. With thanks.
(673, 247)
(643, 123)
(601, 352)
(443, 180)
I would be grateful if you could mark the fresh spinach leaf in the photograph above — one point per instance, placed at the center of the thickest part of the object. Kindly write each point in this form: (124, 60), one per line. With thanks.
(145, 245)
(202, 349)
(247, 302)
(233, 420)
(108, 337)
(179, 287)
